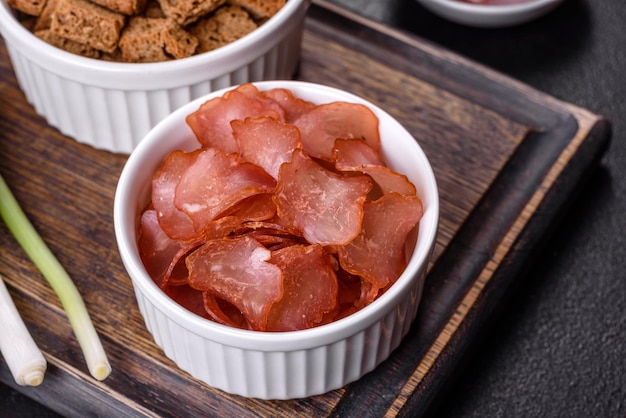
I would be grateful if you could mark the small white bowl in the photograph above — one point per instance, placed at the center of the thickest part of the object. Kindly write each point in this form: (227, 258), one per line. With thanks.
(112, 105)
(490, 16)
(276, 365)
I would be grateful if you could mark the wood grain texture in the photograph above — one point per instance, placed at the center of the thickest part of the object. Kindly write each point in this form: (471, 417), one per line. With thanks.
(507, 159)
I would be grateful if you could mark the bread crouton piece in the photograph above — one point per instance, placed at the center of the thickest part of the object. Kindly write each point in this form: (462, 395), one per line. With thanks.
(178, 42)
(67, 44)
(125, 7)
(141, 40)
(260, 10)
(45, 18)
(153, 9)
(29, 22)
(87, 23)
(29, 7)
(155, 39)
(115, 56)
(226, 25)
(185, 12)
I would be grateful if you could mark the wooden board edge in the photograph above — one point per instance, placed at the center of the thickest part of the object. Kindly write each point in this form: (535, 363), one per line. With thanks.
(468, 311)
(490, 289)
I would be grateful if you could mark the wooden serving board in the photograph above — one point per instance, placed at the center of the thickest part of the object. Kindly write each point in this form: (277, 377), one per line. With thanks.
(507, 159)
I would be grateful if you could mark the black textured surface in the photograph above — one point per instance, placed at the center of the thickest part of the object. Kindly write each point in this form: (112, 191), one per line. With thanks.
(559, 348)
(15, 405)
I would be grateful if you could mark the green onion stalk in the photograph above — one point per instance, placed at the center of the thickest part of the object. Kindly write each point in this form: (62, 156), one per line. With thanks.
(59, 280)
(25, 360)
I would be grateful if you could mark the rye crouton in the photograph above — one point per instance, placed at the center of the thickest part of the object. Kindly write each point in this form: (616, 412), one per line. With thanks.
(87, 23)
(153, 9)
(125, 7)
(226, 25)
(29, 7)
(67, 44)
(260, 10)
(185, 12)
(155, 39)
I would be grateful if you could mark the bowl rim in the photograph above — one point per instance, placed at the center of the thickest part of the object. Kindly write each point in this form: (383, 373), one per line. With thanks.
(135, 76)
(267, 341)
(492, 9)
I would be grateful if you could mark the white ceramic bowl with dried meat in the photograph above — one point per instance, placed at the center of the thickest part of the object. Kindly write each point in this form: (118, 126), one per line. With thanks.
(277, 365)
(113, 105)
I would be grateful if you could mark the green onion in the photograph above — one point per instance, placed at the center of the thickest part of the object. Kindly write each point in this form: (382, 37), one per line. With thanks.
(18, 348)
(59, 280)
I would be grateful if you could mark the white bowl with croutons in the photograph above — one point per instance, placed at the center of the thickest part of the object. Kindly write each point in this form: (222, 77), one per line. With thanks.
(215, 310)
(100, 100)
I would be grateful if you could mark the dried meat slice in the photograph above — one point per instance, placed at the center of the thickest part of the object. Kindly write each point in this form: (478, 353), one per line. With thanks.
(327, 207)
(269, 104)
(310, 288)
(177, 273)
(176, 223)
(377, 254)
(256, 208)
(268, 227)
(222, 227)
(273, 242)
(223, 313)
(211, 122)
(163, 257)
(293, 106)
(259, 207)
(354, 152)
(354, 292)
(321, 126)
(238, 271)
(391, 181)
(189, 298)
(272, 236)
(356, 155)
(266, 142)
(156, 249)
(349, 291)
(388, 180)
(215, 183)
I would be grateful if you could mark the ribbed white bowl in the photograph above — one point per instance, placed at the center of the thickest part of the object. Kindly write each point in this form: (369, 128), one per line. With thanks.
(272, 365)
(112, 106)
